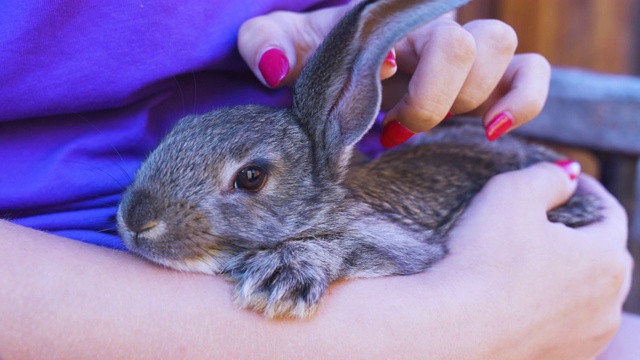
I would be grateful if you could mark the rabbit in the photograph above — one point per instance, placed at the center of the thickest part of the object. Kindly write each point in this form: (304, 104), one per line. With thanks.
(272, 200)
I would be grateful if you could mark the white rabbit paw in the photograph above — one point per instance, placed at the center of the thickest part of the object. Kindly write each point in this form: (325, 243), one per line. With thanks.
(278, 284)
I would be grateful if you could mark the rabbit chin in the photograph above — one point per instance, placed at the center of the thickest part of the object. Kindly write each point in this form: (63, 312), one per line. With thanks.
(202, 264)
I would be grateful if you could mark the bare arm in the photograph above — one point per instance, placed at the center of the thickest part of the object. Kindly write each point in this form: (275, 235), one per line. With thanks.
(77, 300)
(68, 299)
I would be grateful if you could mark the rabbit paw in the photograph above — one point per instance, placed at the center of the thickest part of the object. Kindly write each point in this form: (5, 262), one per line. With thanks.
(278, 283)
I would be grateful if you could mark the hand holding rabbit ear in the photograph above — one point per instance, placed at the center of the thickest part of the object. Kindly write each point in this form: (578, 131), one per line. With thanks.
(456, 69)
(443, 68)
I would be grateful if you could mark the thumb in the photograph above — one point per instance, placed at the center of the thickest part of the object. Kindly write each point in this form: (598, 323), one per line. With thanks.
(542, 185)
(276, 46)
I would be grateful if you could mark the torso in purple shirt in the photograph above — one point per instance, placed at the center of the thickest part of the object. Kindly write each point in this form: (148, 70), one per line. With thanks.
(89, 89)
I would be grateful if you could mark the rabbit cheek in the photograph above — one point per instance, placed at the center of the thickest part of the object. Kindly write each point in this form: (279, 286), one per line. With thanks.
(179, 236)
(181, 252)
(187, 236)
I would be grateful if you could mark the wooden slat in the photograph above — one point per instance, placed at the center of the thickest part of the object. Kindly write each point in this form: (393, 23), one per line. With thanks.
(633, 300)
(595, 34)
(634, 218)
(590, 110)
(478, 9)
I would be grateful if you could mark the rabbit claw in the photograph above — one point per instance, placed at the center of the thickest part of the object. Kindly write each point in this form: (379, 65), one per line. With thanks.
(278, 285)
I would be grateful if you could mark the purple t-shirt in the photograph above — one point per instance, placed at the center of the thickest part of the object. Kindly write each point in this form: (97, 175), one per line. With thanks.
(89, 88)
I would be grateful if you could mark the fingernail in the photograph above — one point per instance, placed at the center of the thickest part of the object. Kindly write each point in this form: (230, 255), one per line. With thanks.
(394, 134)
(571, 167)
(391, 59)
(498, 126)
(273, 66)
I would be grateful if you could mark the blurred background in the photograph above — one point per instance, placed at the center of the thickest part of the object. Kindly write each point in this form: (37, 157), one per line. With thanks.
(599, 35)
(594, 34)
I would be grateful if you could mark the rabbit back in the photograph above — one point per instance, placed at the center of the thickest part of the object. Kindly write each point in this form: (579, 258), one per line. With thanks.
(430, 182)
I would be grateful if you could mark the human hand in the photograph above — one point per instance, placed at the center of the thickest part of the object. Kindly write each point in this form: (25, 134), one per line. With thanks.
(553, 292)
(442, 68)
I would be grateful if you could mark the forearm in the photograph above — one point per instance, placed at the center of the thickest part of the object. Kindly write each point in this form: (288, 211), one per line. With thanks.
(70, 299)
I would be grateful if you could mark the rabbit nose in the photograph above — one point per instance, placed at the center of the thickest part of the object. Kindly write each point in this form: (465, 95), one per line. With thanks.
(150, 231)
(147, 227)
(144, 227)
(140, 216)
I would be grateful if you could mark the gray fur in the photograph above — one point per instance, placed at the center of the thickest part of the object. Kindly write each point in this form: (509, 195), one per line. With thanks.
(317, 219)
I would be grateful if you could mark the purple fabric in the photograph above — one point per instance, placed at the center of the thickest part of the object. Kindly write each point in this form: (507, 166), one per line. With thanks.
(90, 87)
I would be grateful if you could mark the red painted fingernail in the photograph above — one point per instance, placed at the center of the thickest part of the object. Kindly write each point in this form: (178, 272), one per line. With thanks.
(394, 134)
(273, 66)
(571, 167)
(449, 115)
(391, 59)
(498, 126)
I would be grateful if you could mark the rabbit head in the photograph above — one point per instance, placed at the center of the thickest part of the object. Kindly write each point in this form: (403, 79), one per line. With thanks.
(236, 178)
(252, 177)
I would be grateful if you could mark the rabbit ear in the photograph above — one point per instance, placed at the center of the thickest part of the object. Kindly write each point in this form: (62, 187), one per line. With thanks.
(337, 96)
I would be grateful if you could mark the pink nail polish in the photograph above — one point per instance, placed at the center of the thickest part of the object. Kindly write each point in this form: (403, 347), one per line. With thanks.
(273, 66)
(394, 134)
(391, 59)
(498, 126)
(571, 167)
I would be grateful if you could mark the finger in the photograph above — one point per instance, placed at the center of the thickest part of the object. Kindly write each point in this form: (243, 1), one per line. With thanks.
(276, 46)
(615, 223)
(519, 96)
(265, 46)
(609, 237)
(496, 43)
(389, 66)
(628, 263)
(446, 55)
(543, 185)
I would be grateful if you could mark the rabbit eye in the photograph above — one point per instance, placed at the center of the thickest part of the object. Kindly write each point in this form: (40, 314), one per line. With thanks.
(251, 178)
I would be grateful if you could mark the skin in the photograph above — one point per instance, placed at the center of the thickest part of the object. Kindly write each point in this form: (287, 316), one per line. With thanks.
(480, 75)
(493, 291)
(625, 343)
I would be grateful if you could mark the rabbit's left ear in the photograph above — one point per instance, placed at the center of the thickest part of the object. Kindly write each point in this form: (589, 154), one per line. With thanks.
(337, 96)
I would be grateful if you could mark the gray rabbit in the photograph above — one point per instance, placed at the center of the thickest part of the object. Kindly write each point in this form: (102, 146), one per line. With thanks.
(267, 197)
